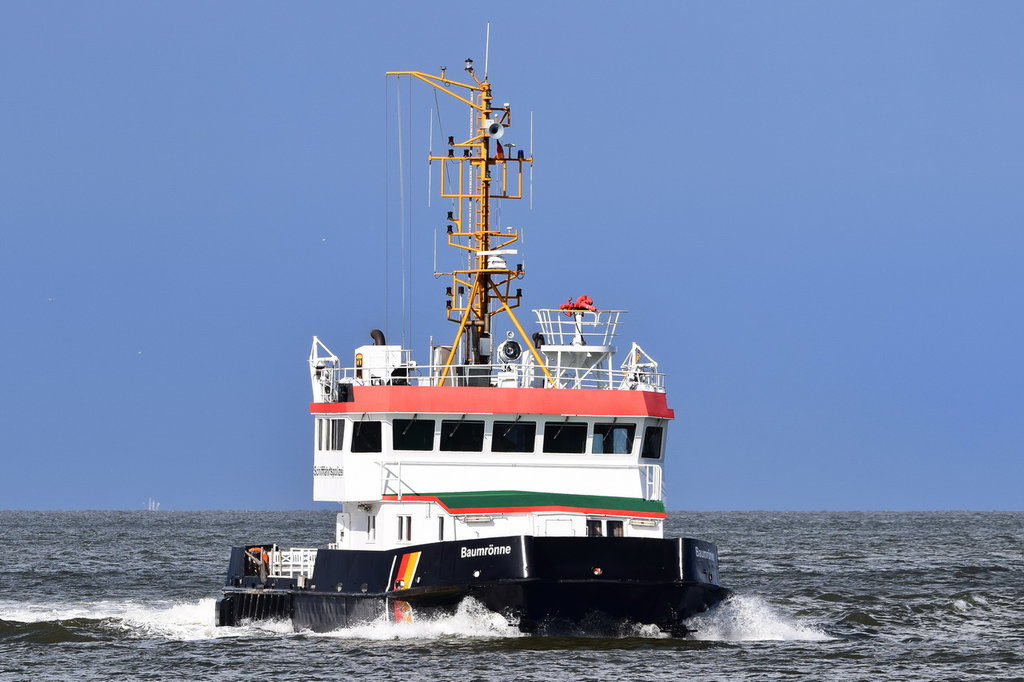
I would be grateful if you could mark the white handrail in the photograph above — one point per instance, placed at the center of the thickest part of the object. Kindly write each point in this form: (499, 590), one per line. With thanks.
(325, 379)
(576, 349)
(578, 327)
(292, 563)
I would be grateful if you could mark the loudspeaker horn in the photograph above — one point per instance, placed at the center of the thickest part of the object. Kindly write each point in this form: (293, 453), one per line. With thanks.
(494, 129)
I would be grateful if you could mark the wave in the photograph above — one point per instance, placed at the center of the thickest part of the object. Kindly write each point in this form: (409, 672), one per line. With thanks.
(748, 618)
(45, 632)
(470, 620)
(740, 618)
(194, 620)
(71, 621)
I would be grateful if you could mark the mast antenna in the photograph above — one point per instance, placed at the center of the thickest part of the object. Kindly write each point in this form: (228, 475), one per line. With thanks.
(401, 199)
(487, 50)
(487, 170)
(430, 162)
(531, 163)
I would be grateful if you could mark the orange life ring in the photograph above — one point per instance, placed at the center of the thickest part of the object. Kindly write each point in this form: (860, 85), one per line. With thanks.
(261, 554)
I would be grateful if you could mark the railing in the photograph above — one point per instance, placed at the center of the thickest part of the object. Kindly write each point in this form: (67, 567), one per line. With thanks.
(391, 480)
(578, 327)
(524, 375)
(637, 372)
(293, 563)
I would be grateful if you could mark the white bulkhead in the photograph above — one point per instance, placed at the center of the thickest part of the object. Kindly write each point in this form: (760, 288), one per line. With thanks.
(360, 458)
(382, 467)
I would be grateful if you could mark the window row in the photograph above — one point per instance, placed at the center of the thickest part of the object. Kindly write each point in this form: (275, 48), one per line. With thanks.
(464, 435)
(596, 528)
(404, 528)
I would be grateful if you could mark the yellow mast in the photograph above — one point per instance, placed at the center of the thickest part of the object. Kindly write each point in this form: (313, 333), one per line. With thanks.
(487, 277)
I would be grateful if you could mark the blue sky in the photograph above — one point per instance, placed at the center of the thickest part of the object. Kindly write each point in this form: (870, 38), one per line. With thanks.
(813, 211)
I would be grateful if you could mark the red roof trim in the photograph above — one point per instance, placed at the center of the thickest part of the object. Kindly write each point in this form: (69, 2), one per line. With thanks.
(487, 400)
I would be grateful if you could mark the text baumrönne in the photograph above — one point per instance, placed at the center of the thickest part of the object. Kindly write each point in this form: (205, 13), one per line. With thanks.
(489, 550)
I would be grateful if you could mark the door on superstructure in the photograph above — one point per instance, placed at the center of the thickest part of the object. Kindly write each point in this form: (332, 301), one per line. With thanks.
(343, 531)
(557, 526)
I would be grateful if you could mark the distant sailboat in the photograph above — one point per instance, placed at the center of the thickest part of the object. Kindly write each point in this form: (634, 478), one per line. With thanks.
(153, 505)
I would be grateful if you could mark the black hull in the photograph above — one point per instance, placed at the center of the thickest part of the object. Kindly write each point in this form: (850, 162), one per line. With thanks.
(539, 583)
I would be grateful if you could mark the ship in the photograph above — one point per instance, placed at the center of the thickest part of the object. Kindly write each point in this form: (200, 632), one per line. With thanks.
(520, 470)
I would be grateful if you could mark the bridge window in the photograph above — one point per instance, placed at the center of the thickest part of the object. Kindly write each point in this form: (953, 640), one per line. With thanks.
(404, 528)
(565, 437)
(615, 439)
(329, 433)
(462, 436)
(594, 528)
(366, 437)
(652, 442)
(615, 529)
(514, 436)
(412, 434)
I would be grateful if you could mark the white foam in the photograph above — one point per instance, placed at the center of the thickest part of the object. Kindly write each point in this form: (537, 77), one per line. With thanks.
(195, 620)
(643, 631)
(163, 619)
(470, 620)
(191, 621)
(741, 618)
(745, 618)
(971, 603)
(20, 612)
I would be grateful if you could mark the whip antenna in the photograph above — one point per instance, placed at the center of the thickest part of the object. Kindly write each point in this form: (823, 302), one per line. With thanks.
(430, 162)
(531, 160)
(487, 50)
(401, 197)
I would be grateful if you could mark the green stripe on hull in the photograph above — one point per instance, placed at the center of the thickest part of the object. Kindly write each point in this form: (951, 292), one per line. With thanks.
(519, 498)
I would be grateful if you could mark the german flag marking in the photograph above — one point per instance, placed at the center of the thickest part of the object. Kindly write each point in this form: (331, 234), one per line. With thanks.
(406, 571)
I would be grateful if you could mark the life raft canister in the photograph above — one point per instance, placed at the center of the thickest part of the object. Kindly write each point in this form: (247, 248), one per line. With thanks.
(584, 302)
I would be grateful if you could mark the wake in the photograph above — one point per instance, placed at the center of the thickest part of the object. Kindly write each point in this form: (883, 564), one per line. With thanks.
(746, 618)
(195, 620)
(162, 619)
(741, 618)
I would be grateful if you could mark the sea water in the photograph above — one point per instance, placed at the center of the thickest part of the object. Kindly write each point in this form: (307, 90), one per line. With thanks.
(831, 596)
